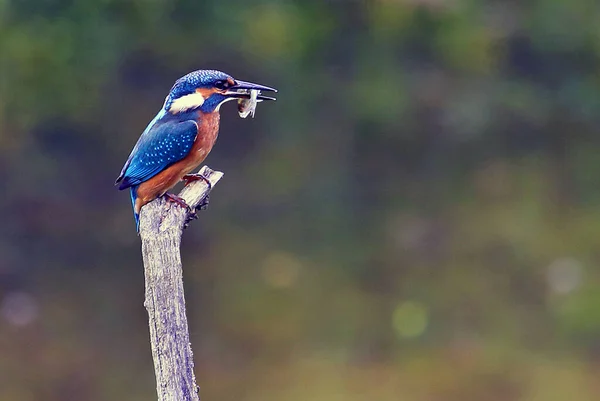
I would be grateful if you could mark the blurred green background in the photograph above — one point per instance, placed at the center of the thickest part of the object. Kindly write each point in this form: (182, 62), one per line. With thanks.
(416, 218)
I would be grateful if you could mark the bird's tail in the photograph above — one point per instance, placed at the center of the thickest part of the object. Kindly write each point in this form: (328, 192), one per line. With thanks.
(136, 215)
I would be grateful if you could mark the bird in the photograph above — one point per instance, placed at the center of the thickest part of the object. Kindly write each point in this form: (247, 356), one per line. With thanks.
(181, 135)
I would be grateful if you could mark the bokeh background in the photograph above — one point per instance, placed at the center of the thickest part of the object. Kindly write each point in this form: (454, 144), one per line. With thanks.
(416, 218)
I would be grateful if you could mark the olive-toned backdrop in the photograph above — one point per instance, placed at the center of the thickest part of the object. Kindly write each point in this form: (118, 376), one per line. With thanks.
(416, 218)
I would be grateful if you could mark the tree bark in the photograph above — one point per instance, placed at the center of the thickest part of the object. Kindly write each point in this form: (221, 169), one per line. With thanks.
(161, 227)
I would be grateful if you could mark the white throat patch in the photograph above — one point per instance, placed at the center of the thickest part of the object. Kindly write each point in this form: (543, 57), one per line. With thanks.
(187, 102)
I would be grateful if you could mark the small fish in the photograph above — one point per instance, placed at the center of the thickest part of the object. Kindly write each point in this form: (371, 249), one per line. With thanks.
(247, 107)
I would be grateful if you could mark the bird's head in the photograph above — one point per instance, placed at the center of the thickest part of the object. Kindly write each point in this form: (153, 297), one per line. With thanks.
(207, 90)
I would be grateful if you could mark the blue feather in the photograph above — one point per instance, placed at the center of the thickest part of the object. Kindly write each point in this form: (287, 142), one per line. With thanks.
(136, 216)
(165, 141)
(162, 145)
(195, 79)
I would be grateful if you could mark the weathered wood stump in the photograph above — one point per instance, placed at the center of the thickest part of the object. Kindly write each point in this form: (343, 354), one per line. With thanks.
(161, 228)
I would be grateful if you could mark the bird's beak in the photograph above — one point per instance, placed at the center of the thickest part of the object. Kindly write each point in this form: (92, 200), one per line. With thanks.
(241, 90)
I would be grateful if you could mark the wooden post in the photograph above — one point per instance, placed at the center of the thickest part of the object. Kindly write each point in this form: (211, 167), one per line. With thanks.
(161, 227)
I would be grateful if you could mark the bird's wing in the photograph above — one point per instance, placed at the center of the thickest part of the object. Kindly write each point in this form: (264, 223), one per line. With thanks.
(157, 148)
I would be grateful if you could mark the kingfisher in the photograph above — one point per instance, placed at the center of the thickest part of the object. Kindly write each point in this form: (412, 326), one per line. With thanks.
(181, 135)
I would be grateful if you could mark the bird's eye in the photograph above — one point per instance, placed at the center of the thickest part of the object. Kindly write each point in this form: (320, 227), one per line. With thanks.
(222, 85)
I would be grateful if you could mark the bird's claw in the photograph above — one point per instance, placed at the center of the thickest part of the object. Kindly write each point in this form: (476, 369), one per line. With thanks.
(177, 200)
(189, 178)
(192, 214)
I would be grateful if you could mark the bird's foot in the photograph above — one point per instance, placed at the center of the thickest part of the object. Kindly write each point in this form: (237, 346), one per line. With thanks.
(177, 200)
(188, 178)
(192, 213)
